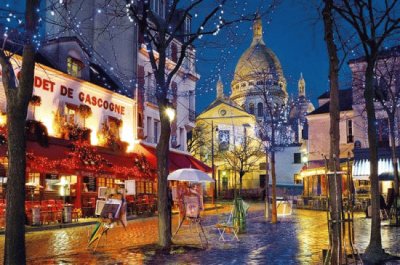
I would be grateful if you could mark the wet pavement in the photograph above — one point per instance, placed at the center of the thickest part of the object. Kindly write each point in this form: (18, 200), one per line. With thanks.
(297, 239)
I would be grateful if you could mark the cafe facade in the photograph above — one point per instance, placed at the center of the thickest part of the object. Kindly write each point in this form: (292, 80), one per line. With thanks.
(80, 137)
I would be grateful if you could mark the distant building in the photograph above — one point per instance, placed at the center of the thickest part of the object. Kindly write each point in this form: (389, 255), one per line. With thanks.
(257, 71)
(115, 46)
(387, 87)
(314, 171)
(224, 126)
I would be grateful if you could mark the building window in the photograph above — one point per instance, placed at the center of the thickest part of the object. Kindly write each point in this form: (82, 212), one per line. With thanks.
(144, 187)
(350, 137)
(156, 6)
(260, 109)
(113, 125)
(188, 26)
(382, 132)
(262, 181)
(148, 127)
(156, 131)
(223, 138)
(297, 158)
(263, 166)
(105, 182)
(297, 179)
(70, 113)
(174, 52)
(74, 67)
(181, 138)
(251, 108)
(34, 180)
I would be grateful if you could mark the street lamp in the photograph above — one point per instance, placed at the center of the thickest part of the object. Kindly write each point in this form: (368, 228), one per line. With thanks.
(212, 160)
(170, 113)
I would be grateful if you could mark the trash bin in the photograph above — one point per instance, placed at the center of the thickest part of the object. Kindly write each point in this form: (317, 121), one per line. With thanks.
(67, 213)
(36, 215)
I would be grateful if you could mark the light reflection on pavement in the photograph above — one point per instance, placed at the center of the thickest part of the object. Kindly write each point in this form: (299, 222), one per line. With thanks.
(298, 239)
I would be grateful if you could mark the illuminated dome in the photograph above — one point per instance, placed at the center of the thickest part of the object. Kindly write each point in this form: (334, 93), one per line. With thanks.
(258, 66)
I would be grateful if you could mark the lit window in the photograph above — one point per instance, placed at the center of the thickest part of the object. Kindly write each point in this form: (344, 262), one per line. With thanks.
(223, 137)
(70, 114)
(74, 67)
(114, 124)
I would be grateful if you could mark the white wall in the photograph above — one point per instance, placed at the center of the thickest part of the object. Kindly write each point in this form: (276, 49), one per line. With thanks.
(285, 166)
(56, 88)
(318, 135)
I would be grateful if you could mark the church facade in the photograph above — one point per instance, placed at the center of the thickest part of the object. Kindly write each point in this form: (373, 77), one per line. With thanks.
(258, 89)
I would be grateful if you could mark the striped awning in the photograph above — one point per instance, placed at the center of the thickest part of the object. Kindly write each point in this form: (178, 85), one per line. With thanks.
(361, 169)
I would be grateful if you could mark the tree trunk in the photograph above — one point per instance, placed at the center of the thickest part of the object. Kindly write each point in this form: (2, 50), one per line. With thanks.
(334, 180)
(164, 200)
(374, 251)
(394, 155)
(274, 216)
(240, 183)
(394, 162)
(14, 251)
(267, 202)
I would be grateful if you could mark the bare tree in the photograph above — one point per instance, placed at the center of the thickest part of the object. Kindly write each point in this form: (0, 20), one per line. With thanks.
(158, 34)
(242, 156)
(274, 128)
(387, 92)
(373, 24)
(335, 181)
(18, 94)
(198, 142)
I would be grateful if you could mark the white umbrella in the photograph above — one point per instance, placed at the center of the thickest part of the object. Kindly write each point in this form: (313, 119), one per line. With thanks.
(190, 174)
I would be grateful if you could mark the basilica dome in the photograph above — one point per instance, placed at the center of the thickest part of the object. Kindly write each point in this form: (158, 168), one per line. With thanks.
(258, 68)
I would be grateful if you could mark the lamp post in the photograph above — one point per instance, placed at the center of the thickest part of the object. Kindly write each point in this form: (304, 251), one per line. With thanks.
(212, 161)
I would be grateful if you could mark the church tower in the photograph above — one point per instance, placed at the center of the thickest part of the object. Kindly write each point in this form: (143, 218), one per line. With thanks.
(220, 89)
(257, 31)
(302, 86)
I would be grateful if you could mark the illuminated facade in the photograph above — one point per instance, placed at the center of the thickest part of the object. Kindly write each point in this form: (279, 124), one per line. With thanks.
(224, 126)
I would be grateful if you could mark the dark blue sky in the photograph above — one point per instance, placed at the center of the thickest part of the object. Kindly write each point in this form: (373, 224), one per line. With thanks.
(294, 33)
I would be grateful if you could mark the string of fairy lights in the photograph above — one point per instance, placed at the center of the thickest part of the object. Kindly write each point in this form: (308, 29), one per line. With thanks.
(71, 23)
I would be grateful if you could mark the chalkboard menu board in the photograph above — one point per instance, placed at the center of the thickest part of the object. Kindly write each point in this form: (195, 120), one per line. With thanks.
(90, 182)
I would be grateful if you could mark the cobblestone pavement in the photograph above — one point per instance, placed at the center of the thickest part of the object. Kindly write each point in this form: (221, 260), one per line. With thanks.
(297, 239)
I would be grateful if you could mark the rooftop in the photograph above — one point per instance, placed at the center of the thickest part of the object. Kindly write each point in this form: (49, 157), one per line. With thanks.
(345, 101)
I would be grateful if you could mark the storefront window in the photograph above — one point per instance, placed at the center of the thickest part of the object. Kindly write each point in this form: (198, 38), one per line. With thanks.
(51, 182)
(105, 182)
(34, 178)
(67, 185)
(144, 187)
(139, 187)
(89, 184)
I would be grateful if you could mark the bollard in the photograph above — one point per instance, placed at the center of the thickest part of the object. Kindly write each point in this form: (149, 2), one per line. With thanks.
(67, 213)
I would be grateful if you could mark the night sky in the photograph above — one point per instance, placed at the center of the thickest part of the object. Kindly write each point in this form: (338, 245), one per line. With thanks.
(294, 33)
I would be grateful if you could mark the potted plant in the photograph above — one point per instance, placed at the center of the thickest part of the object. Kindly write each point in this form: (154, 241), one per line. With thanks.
(85, 111)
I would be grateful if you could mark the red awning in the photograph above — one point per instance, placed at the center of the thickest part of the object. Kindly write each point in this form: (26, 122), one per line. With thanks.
(61, 158)
(176, 160)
